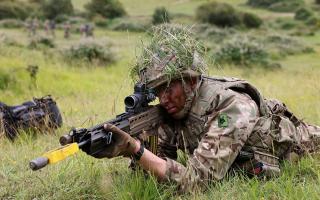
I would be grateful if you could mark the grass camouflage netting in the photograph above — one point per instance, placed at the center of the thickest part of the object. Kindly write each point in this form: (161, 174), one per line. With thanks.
(174, 49)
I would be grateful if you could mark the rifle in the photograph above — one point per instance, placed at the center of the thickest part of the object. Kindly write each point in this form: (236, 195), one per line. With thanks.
(138, 120)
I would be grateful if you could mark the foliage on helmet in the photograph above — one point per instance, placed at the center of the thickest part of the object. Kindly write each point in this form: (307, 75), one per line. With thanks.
(171, 51)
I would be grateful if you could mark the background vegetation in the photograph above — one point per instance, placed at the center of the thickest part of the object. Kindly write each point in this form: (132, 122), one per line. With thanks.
(280, 57)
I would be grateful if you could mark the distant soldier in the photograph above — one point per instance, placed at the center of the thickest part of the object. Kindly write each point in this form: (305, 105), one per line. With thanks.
(67, 27)
(34, 26)
(90, 31)
(46, 26)
(28, 24)
(52, 26)
(82, 30)
(86, 30)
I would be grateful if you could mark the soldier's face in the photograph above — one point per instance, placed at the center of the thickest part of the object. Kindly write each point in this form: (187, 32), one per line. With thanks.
(172, 98)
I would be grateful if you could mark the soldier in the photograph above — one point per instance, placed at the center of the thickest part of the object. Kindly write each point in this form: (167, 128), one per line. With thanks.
(90, 31)
(28, 26)
(82, 30)
(34, 26)
(66, 27)
(87, 30)
(52, 26)
(220, 123)
(46, 26)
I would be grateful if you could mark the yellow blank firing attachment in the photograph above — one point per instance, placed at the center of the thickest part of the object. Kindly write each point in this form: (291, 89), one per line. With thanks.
(54, 156)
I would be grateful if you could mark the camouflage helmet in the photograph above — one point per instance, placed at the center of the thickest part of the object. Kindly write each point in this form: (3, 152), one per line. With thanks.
(171, 54)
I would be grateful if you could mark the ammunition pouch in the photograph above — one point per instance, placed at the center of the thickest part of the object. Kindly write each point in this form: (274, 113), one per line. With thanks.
(40, 114)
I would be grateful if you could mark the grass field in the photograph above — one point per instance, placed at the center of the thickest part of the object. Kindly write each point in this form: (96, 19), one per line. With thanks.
(89, 95)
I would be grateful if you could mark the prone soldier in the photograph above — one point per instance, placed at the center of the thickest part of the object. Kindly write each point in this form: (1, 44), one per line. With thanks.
(220, 123)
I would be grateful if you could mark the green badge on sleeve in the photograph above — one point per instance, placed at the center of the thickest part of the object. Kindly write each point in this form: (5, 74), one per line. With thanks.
(223, 120)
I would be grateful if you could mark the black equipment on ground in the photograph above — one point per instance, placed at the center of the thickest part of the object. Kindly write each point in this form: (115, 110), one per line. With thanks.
(39, 114)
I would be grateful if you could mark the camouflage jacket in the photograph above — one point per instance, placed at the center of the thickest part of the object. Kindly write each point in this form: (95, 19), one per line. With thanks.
(228, 117)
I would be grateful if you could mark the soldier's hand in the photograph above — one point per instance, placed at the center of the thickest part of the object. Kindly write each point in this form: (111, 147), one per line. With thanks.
(122, 144)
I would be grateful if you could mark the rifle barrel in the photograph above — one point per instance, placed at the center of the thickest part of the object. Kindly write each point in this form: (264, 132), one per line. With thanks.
(54, 156)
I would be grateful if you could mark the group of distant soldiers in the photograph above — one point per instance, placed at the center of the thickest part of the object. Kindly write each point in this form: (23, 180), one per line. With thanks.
(32, 25)
(49, 27)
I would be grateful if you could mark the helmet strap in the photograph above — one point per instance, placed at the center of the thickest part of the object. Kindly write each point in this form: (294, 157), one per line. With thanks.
(191, 93)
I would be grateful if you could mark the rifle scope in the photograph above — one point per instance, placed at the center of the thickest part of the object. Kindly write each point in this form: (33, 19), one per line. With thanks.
(141, 97)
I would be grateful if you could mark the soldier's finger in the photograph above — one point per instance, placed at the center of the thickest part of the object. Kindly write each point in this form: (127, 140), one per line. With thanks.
(107, 127)
(113, 128)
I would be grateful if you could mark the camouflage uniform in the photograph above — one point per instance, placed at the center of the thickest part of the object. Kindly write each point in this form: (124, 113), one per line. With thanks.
(228, 117)
(228, 124)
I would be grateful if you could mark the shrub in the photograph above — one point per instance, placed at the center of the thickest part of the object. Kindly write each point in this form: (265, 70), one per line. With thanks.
(303, 14)
(101, 21)
(14, 10)
(53, 8)
(130, 26)
(282, 45)
(242, 50)
(251, 20)
(106, 8)
(77, 20)
(161, 15)
(8, 41)
(11, 23)
(220, 14)
(287, 25)
(80, 13)
(61, 18)
(92, 51)
(277, 5)
(287, 6)
(40, 42)
(261, 3)
(303, 30)
(35, 1)
(313, 21)
(213, 33)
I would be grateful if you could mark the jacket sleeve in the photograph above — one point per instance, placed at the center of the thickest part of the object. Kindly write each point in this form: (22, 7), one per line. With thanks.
(227, 129)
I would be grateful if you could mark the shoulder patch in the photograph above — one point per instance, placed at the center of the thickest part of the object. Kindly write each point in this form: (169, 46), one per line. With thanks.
(223, 120)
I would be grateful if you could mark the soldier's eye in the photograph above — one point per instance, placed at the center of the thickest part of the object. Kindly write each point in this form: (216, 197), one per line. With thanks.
(159, 90)
(168, 90)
